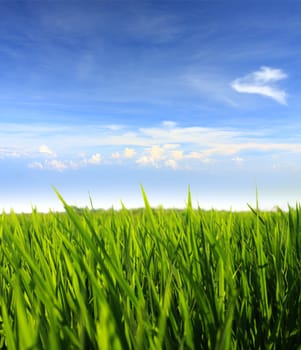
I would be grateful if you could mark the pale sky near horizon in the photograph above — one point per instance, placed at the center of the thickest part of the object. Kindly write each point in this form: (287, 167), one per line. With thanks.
(99, 97)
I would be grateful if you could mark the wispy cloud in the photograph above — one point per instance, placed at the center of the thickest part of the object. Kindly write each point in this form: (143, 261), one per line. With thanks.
(60, 165)
(12, 152)
(262, 82)
(211, 84)
(53, 164)
(156, 28)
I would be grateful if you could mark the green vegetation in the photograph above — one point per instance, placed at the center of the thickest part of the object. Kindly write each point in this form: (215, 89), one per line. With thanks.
(150, 279)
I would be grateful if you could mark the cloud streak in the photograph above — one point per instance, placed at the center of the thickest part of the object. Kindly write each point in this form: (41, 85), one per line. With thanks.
(262, 82)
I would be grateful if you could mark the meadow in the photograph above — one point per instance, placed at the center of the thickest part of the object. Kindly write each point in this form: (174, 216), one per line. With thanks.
(150, 279)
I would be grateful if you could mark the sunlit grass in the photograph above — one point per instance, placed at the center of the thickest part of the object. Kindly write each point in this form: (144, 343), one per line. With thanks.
(150, 279)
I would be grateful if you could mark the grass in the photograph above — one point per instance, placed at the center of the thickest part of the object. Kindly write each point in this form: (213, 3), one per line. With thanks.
(150, 279)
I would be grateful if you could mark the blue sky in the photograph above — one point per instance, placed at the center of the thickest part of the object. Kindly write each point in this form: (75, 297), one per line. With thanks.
(98, 97)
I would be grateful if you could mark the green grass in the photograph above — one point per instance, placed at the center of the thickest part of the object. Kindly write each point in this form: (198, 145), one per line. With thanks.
(150, 279)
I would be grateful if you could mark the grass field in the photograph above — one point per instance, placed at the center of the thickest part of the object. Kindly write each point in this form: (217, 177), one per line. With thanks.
(151, 279)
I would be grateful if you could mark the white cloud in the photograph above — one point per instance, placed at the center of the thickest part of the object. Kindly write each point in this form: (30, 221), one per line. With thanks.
(178, 154)
(143, 160)
(197, 135)
(231, 149)
(38, 165)
(169, 124)
(46, 150)
(129, 152)
(201, 156)
(171, 163)
(268, 75)
(114, 127)
(237, 159)
(79, 138)
(155, 156)
(60, 165)
(261, 82)
(167, 144)
(195, 155)
(116, 155)
(55, 164)
(156, 153)
(152, 156)
(161, 155)
(170, 146)
(94, 159)
(12, 152)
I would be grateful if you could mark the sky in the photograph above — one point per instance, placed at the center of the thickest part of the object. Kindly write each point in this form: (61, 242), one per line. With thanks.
(98, 98)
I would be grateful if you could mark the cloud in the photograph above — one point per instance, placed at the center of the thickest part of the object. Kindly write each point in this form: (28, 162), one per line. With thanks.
(165, 145)
(60, 165)
(261, 82)
(234, 148)
(200, 156)
(237, 159)
(197, 135)
(178, 154)
(37, 165)
(129, 152)
(157, 29)
(56, 164)
(12, 152)
(171, 163)
(212, 85)
(161, 155)
(154, 155)
(116, 155)
(70, 140)
(46, 150)
(94, 159)
(169, 124)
